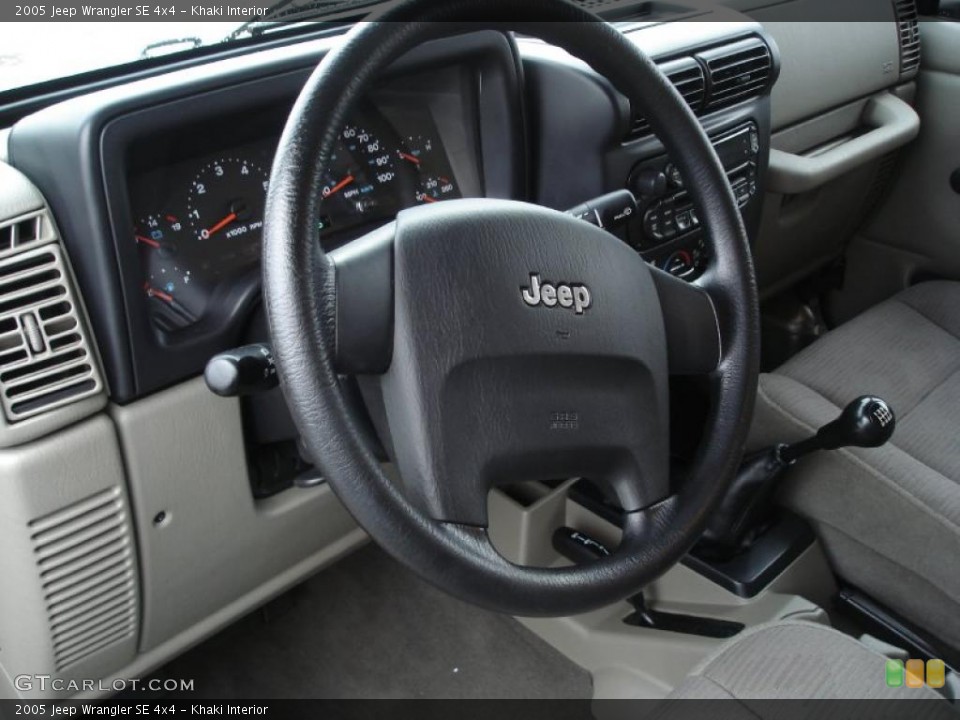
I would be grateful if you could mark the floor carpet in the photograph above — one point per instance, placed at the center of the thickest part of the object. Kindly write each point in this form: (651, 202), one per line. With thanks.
(368, 628)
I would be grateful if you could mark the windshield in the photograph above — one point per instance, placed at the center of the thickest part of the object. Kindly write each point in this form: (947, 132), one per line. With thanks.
(34, 52)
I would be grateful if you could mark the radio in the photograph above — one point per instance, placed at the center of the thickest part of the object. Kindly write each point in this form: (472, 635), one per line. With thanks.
(667, 231)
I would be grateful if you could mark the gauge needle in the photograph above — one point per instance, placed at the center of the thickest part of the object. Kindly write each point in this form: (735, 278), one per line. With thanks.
(428, 199)
(410, 158)
(222, 224)
(147, 241)
(340, 185)
(153, 292)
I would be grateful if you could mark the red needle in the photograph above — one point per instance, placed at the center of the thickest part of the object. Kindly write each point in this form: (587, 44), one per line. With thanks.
(147, 241)
(151, 292)
(222, 224)
(339, 186)
(428, 199)
(411, 158)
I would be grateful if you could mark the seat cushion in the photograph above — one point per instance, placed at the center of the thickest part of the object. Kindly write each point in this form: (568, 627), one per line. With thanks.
(889, 518)
(799, 660)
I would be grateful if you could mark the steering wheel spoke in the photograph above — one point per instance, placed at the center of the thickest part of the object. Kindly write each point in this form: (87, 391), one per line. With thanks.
(363, 287)
(692, 325)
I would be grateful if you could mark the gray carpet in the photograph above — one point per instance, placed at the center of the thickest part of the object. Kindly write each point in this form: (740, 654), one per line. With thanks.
(368, 628)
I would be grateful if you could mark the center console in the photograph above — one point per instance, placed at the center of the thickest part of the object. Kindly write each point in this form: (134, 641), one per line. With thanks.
(668, 232)
(724, 72)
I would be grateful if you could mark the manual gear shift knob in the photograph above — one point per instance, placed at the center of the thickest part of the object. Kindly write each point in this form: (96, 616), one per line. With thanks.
(867, 422)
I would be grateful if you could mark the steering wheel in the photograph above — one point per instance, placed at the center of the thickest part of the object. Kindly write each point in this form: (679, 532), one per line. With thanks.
(506, 341)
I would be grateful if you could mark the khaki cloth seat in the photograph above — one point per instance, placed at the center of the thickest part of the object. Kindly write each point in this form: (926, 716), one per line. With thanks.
(889, 518)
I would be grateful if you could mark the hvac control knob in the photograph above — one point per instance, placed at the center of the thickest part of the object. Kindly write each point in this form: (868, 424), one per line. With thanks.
(650, 184)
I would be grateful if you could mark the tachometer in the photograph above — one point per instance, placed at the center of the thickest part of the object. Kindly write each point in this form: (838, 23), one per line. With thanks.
(225, 207)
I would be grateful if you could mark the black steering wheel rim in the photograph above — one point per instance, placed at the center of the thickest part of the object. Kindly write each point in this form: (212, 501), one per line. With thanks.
(300, 295)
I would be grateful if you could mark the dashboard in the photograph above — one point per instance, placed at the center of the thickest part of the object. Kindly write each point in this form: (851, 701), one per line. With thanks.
(160, 184)
(197, 196)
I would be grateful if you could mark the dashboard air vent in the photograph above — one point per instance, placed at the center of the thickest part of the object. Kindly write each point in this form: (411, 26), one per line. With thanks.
(45, 358)
(24, 232)
(908, 27)
(687, 76)
(86, 569)
(737, 72)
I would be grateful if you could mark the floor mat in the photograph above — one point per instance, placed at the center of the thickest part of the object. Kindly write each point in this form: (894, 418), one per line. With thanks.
(368, 628)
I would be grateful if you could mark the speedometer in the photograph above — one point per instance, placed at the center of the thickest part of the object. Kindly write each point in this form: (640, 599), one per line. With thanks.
(359, 182)
(368, 149)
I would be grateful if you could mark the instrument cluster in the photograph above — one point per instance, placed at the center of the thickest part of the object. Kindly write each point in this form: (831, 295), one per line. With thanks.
(198, 222)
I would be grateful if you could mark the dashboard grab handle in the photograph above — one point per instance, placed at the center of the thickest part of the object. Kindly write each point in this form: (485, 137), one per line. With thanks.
(892, 122)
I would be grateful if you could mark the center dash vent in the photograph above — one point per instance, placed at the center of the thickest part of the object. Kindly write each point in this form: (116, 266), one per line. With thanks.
(45, 358)
(86, 569)
(908, 28)
(687, 77)
(737, 72)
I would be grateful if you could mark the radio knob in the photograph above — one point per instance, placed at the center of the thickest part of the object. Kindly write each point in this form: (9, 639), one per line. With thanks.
(649, 183)
(673, 175)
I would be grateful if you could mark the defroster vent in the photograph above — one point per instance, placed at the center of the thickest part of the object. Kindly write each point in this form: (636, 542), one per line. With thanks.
(85, 561)
(45, 356)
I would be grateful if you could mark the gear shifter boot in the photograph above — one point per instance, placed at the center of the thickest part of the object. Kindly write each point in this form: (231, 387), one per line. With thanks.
(866, 422)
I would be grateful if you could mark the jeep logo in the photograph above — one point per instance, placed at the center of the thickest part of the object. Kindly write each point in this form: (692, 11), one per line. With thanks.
(576, 297)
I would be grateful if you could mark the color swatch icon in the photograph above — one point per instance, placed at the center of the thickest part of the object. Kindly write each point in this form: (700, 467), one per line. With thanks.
(936, 673)
(915, 673)
(895, 673)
